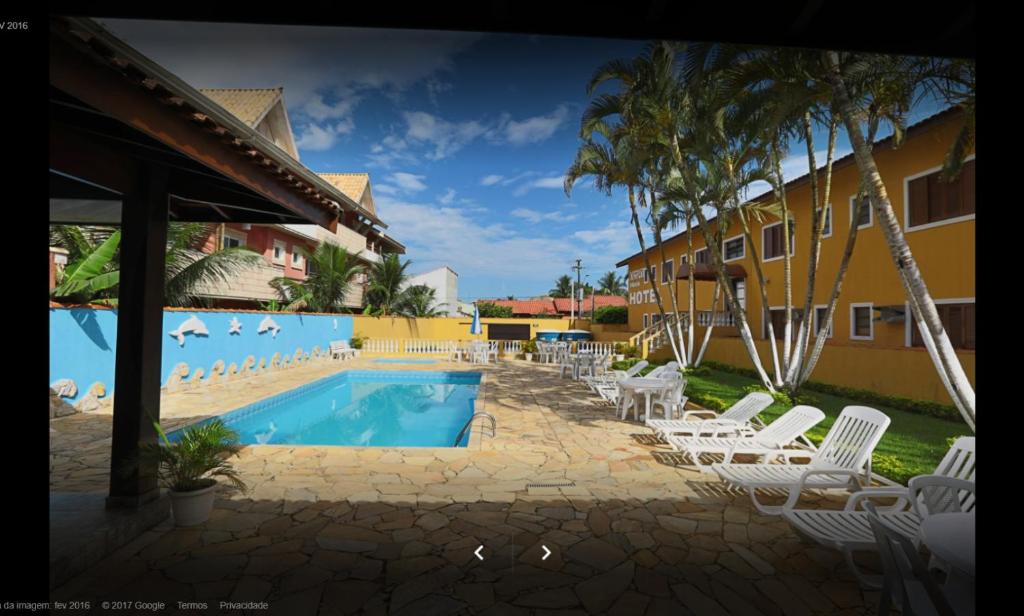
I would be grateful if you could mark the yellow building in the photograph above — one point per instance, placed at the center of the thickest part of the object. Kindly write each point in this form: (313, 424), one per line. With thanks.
(872, 343)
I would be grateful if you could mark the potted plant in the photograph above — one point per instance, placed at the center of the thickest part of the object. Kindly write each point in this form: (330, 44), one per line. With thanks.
(529, 349)
(357, 342)
(620, 351)
(189, 468)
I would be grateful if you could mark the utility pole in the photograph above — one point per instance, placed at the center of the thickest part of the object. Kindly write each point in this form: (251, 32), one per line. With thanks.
(579, 271)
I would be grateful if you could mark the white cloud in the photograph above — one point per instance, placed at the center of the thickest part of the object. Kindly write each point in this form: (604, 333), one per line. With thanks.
(446, 137)
(385, 189)
(535, 129)
(490, 180)
(548, 182)
(408, 182)
(534, 216)
(792, 168)
(448, 197)
(318, 138)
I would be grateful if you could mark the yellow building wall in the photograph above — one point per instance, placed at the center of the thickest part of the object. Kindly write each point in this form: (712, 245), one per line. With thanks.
(909, 373)
(945, 254)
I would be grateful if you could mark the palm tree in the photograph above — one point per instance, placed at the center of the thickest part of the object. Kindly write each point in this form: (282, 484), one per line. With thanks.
(331, 271)
(611, 284)
(844, 68)
(418, 301)
(387, 278)
(563, 287)
(94, 277)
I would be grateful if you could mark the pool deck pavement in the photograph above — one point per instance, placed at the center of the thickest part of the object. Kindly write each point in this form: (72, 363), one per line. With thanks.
(393, 530)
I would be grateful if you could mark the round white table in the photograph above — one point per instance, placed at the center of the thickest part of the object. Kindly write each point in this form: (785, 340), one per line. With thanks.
(638, 385)
(950, 537)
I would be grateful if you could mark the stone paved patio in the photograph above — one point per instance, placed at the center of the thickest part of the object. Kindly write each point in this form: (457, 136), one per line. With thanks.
(392, 531)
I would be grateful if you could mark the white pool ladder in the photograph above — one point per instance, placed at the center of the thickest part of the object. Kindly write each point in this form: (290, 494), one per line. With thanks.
(494, 426)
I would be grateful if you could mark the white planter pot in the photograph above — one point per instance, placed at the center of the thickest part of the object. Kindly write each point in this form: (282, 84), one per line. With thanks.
(529, 356)
(619, 357)
(191, 508)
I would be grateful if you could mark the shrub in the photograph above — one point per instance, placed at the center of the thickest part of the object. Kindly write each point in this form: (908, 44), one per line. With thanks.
(611, 315)
(625, 364)
(919, 407)
(709, 402)
(626, 349)
(698, 371)
(357, 342)
(530, 347)
(890, 467)
(487, 309)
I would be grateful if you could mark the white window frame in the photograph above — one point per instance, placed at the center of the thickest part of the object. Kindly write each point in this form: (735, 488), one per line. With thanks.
(906, 203)
(273, 249)
(871, 214)
(700, 250)
(907, 330)
(654, 274)
(853, 320)
(743, 243)
(792, 247)
(831, 222)
(831, 322)
(235, 235)
(664, 269)
(764, 326)
(298, 261)
(646, 321)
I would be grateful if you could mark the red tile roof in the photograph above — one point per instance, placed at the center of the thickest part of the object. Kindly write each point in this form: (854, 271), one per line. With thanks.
(525, 306)
(564, 304)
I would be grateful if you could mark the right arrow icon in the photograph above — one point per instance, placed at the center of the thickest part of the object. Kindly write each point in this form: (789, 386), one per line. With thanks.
(547, 552)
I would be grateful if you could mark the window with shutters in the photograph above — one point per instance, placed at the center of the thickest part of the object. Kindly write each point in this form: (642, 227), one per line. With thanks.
(771, 241)
(702, 256)
(864, 219)
(734, 248)
(646, 322)
(931, 201)
(958, 321)
(778, 318)
(666, 271)
(827, 229)
(862, 325)
(819, 321)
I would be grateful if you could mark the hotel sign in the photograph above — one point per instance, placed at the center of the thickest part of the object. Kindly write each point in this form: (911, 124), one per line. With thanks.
(642, 297)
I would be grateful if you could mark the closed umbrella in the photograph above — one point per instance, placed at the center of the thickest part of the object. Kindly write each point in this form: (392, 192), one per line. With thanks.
(476, 328)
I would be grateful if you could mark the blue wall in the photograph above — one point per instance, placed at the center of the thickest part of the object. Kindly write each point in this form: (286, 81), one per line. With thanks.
(82, 341)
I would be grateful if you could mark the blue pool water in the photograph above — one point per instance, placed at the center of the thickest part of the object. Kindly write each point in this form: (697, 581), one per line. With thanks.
(400, 360)
(367, 408)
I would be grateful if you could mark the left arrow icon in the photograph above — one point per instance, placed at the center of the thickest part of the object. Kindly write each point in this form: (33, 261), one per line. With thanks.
(477, 552)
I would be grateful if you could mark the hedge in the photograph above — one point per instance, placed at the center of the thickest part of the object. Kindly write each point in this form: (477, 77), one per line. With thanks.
(611, 315)
(919, 407)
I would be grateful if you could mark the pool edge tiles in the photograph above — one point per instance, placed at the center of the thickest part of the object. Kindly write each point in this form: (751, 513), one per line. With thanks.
(305, 422)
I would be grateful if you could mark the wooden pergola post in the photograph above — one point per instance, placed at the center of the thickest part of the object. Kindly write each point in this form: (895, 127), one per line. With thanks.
(139, 337)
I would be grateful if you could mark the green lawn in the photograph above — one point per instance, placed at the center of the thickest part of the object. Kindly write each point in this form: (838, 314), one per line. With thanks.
(912, 445)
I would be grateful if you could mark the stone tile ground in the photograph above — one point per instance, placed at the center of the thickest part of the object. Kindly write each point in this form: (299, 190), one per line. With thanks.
(340, 530)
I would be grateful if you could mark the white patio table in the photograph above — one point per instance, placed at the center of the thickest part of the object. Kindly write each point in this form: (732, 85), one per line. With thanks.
(632, 387)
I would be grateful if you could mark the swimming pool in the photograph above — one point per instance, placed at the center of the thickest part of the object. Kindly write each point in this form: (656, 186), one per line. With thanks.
(402, 360)
(364, 408)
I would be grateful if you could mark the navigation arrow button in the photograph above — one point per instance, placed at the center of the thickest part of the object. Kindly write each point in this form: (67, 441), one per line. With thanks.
(477, 552)
(547, 552)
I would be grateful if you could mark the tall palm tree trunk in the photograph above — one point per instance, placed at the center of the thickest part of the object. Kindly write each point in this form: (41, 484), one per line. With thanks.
(762, 288)
(922, 306)
(787, 267)
(679, 347)
(691, 291)
(647, 260)
(818, 224)
(711, 326)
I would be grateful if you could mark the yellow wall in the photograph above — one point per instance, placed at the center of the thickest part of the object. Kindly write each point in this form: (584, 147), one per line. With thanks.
(909, 373)
(441, 328)
(945, 254)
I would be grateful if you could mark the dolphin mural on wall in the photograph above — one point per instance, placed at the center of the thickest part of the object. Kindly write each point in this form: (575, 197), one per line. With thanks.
(268, 324)
(191, 324)
(235, 326)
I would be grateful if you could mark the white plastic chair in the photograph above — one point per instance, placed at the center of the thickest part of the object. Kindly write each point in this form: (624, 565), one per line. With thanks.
(842, 462)
(736, 419)
(672, 397)
(775, 437)
(949, 489)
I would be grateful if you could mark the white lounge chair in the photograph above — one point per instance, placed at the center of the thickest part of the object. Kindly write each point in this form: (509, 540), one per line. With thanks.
(341, 349)
(733, 420)
(849, 531)
(768, 443)
(613, 376)
(842, 462)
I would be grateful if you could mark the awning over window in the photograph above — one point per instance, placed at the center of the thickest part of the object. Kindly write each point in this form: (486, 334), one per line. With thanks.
(703, 271)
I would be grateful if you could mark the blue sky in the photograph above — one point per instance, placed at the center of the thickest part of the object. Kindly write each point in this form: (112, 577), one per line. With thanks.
(466, 136)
